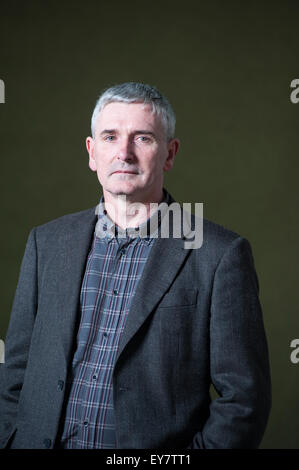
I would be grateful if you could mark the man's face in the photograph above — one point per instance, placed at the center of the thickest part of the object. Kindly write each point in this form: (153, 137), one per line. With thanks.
(130, 152)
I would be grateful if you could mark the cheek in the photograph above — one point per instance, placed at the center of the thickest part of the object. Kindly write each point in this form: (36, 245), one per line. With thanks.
(102, 171)
(101, 167)
(157, 163)
(101, 159)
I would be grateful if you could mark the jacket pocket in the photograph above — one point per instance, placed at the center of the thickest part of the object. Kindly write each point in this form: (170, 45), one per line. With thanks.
(179, 298)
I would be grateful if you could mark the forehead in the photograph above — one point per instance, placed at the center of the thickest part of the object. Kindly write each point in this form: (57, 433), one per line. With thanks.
(130, 116)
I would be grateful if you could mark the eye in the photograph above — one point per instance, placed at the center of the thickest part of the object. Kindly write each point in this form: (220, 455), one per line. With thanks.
(109, 138)
(143, 138)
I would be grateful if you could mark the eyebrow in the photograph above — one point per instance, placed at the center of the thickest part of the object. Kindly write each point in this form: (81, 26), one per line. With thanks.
(145, 132)
(108, 131)
(141, 131)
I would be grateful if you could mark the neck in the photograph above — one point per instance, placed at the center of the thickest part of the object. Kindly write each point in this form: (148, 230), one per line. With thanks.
(127, 212)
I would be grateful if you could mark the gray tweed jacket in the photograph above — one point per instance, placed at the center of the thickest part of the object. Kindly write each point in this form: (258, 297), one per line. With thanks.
(195, 320)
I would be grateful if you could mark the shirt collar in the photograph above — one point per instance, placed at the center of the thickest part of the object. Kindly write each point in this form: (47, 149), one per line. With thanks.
(147, 231)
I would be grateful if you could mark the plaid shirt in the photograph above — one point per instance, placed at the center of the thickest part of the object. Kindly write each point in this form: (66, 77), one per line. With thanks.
(114, 267)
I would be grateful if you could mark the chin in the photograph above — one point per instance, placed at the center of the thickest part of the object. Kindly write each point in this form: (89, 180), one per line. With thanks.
(123, 190)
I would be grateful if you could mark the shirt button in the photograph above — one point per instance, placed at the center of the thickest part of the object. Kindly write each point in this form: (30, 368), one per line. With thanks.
(94, 377)
(105, 335)
(60, 384)
(115, 292)
(85, 424)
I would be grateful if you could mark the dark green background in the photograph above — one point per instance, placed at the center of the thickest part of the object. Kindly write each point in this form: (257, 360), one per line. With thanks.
(226, 67)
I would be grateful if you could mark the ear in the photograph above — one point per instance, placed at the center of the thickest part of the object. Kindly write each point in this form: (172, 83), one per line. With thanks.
(173, 148)
(90, 150)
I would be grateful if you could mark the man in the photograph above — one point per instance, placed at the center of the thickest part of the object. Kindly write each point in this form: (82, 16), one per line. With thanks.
(117, 332)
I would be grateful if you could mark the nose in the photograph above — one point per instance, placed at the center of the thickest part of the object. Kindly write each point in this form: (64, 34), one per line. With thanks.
(125, 151)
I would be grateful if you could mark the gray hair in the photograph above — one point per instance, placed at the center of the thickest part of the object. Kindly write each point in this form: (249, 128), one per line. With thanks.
(132, 92)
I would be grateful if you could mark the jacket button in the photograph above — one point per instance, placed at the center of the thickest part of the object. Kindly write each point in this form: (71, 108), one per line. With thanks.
(60, 384)
(47, 443)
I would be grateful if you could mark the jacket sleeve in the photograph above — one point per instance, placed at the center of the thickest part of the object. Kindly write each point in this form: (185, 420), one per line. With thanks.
(239, 362)
(17, 341)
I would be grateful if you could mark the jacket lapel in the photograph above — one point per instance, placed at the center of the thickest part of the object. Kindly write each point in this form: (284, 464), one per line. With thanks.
(164, 261)
(73, 251)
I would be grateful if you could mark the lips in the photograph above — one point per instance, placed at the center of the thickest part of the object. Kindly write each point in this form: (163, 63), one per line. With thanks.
(125, 172)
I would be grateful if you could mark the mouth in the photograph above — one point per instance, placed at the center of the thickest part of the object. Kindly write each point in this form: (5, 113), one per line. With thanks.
(124, 172)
